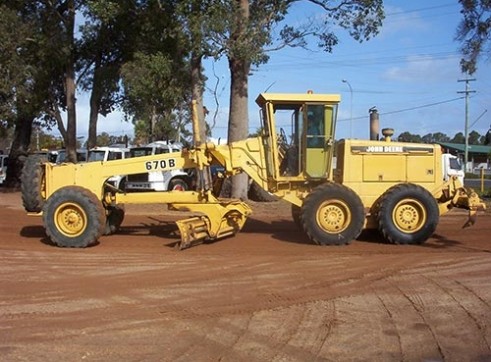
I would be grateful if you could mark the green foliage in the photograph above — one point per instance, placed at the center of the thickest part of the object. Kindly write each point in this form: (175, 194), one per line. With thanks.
(435, 138)
(152, 92)
(257, 132)
(409, 137)
(458, 138)
(475, 138)
(40, 140)
(251, 36)
(105, 139)
(474, 32)
(20, 70)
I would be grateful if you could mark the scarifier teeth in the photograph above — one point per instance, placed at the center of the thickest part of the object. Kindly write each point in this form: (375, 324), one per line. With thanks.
(471, 220)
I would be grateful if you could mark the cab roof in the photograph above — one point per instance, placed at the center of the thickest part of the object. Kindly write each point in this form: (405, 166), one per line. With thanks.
(297, 98)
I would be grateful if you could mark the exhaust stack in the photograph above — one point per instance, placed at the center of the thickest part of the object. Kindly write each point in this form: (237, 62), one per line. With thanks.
(374, 124)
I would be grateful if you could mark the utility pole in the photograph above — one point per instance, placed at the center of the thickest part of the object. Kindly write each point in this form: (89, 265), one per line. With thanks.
(466, 129)
(351, 108)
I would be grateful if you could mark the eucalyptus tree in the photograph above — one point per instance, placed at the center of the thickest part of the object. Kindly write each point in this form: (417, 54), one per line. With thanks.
(32, 66)
(45, 50)
(474, 32)
(246, 35)
(156, 80)
(107, 41)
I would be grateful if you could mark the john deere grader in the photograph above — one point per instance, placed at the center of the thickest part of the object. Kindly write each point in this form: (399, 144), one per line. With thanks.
(397, 188)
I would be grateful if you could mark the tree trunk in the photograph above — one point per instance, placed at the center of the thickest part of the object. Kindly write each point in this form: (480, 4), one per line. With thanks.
(70, 86)
(95, 104)
(19, 149)
(238, 127)
(153, 123)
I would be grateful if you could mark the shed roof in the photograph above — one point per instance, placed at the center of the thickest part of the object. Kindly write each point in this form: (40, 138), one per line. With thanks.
(470, 149)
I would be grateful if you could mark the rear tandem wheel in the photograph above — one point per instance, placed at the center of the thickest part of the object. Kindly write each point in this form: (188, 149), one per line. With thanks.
(408, 214)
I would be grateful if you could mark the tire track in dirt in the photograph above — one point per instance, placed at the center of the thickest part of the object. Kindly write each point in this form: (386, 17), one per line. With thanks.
(437, 297)
(460, 298)
(416, 302)
(394, 326)
(262, 295)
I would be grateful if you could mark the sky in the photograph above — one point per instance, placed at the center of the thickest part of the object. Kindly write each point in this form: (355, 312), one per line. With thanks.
(410, 72)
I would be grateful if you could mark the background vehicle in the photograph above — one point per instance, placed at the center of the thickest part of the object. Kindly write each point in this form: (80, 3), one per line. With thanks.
(452, 167)
(176, 179)
(109, 153)
(393, 187)
(59, 156)
(4, 160)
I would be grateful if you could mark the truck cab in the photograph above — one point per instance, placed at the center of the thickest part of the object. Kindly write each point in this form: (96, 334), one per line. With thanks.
(107, 153)
(452, 167)
(59, 156)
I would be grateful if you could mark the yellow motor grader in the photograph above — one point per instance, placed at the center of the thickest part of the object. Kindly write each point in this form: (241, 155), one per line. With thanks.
(397, 188)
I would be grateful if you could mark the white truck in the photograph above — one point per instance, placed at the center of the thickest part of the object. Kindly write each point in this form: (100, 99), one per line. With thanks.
(59, 156)
(158, 180)
(452, 167)
(109, 153)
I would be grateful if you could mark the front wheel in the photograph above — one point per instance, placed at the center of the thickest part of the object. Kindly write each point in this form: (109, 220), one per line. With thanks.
(74, 217)
(332, 214)
(407, 214)
(114, 219)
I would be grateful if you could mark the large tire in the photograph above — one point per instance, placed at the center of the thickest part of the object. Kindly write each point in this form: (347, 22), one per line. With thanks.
(114, 219)
(74, 217)
(33, 183)
(332, 214)
(407, 214)
(257, 193)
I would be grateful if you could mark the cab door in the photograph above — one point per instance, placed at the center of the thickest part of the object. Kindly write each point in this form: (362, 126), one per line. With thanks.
(319, 139)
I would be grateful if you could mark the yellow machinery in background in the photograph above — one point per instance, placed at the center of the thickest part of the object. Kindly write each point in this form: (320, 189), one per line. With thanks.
(394, 187)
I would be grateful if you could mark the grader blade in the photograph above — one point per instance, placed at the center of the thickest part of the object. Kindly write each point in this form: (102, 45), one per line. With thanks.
(471, 220)
(222, 219)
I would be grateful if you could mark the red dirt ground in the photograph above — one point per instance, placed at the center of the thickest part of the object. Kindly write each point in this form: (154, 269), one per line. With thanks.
(263, 295)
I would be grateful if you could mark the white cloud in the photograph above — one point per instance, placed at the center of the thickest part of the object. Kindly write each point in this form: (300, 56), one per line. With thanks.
(423, 68)
(399, 21)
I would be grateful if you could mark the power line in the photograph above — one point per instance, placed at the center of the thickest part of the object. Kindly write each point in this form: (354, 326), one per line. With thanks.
(410, 109)
(422, 9)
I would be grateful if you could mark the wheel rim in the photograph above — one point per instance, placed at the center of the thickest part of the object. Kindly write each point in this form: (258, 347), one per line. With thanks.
(70, 219)
(409, 215)
(333, 216)
(178, 187)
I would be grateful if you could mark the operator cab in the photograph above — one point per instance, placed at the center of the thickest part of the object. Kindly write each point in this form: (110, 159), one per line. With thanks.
(298, 130)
